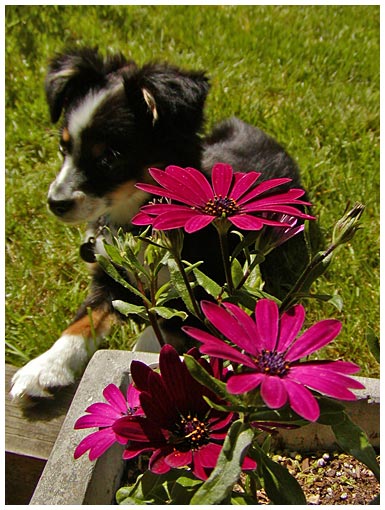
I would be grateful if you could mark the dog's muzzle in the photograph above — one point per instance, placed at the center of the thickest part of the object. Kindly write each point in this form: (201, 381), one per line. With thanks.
(60, 207)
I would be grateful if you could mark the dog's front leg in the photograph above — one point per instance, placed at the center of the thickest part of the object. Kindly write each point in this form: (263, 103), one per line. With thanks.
(67, 358)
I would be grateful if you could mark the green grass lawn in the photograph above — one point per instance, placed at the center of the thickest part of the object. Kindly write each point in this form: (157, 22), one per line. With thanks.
(307, 75)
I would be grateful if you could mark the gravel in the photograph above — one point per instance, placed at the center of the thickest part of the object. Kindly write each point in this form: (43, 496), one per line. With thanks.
(329, 478)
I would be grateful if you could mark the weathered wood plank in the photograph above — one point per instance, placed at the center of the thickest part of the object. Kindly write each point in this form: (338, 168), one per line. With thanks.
(21, 476)
(32, 431)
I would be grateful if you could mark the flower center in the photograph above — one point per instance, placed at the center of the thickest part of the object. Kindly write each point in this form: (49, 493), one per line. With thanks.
(221, 206)
(191, 433)
(272, 363)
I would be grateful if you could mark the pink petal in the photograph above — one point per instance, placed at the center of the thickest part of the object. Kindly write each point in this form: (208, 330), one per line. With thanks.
(243, 184)
(266, 318)
(133, 397)
(264, 186)
(314, 338)
(198, 222)
(273, 391)
(328, 382)
(178, 459)
(103, 409)
(248, 464)
(218, 348)
(290, 325)
(133, 450)
(97, 442)
(232, 326)
(246, 222)
(92, 420)
(115, 397)
(142, 219)
(178, 181)
(242, 383)
(221, 178)
(302, 401)
(174, 220)
(251, 338)
(277, 208)
(157, 209)
(343, 367)
(163, 192)
(190, 176)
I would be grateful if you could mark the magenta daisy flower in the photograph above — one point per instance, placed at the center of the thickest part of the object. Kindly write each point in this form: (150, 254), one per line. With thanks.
(179, 427)
(104, 415)
(269, 351)
(232, 196)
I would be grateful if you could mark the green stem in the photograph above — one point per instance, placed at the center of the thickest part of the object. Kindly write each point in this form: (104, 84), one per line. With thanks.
(151, 316)
(297, 287)
(222, 230)
(190, 291)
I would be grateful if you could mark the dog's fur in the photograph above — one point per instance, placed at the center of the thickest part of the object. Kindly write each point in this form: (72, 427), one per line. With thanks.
(119, 120)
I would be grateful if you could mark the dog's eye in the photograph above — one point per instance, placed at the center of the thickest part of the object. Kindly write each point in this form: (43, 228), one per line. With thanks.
(108, 158)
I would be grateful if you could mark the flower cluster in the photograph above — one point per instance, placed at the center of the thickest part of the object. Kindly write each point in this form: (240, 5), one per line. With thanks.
(252, 365)
(174, 421)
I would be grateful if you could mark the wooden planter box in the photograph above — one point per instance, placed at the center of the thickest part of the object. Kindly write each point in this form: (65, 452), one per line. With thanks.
(66, 481)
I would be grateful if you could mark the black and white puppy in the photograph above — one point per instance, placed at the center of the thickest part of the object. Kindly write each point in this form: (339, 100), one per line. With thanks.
(118, 121)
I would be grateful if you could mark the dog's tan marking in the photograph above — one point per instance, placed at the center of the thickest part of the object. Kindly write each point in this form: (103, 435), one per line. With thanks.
(100, 322)
(124, 191)
(66, 135)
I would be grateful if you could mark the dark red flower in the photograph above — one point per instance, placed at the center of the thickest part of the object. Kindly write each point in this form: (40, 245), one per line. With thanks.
(179, 427)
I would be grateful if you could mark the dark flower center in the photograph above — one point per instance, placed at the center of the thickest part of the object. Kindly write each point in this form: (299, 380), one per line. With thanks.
(272, 363)
(191, 433)
(221, 206)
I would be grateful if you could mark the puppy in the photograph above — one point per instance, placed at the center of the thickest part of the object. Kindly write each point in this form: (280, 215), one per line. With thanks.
(119, 120)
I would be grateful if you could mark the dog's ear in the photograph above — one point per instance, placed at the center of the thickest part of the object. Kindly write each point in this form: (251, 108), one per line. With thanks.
(71, 75)
(168, 95)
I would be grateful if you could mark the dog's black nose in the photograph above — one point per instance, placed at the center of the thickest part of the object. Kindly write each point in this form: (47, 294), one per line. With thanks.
(60, 207)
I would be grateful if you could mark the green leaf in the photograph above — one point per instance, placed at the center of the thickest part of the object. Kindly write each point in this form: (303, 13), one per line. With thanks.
(111, 270)
(129, 309)
(328, 410)
(179, 284)
(210, 286)
(125, 257)
(242, 499)
(282, 416)
(228, 468)
(236, 272)
(184, 488)
(114, 253)
(280, 486)
(236, 408)
(168, 313)
(177, 486)
(373, 343)
(203, 377)
(353, 440)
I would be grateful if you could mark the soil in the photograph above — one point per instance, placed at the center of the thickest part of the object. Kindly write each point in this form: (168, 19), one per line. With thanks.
(325, 478)
(329, 478)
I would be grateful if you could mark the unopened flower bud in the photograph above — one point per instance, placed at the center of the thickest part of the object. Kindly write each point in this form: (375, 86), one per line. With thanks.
(347, 226)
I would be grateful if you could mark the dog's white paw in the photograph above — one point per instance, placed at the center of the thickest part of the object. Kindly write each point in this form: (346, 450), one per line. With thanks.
(56, 368)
